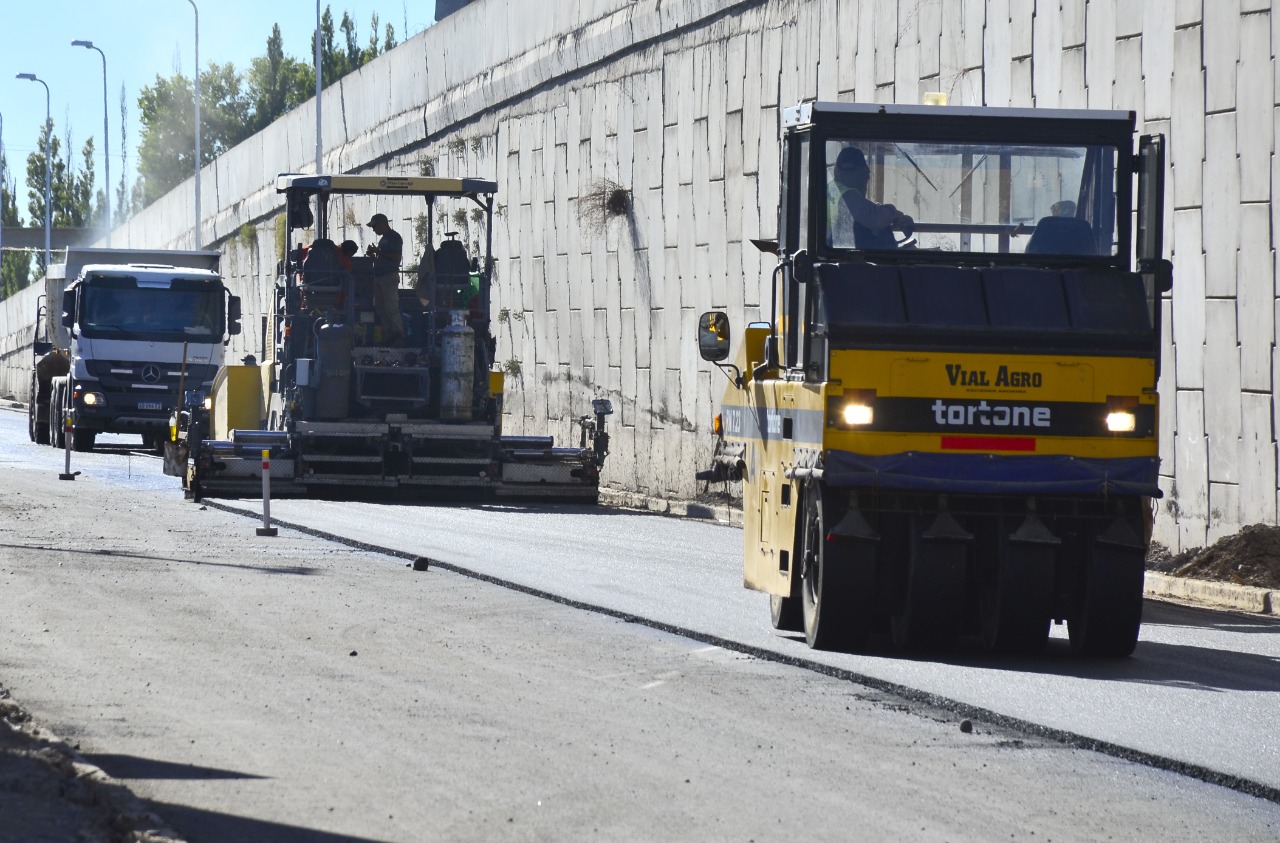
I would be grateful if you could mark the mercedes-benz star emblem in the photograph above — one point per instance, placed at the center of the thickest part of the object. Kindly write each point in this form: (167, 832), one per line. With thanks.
(151, 373)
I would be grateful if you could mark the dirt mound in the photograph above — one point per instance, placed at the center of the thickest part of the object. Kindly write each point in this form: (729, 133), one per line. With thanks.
(1250, 557)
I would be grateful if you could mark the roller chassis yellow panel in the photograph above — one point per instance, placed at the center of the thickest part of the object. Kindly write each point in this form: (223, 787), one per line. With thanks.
(783, 425)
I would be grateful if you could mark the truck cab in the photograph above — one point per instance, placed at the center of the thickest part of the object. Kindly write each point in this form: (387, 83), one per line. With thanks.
(124, 338)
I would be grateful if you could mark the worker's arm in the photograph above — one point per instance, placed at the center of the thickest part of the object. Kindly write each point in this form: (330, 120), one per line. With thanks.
(873, 216)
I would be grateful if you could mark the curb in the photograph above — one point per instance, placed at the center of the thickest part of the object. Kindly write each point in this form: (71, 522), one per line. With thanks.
(720, 513)
(1217, 595)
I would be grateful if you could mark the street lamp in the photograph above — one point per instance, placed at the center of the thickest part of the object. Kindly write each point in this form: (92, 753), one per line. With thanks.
(106, 143)
(196, 9)
(48, 154)
(319, 86)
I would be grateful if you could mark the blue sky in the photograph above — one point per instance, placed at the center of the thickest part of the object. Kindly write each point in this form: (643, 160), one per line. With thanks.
(143, 39)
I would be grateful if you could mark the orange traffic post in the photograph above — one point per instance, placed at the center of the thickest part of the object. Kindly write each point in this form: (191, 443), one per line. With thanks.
(66, 446)
(266, 529)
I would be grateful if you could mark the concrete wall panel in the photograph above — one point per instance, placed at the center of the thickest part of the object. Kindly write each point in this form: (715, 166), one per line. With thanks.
(1221, 219)
(1188, 299)
(1224, 511)
(1221, 55)
(1258, 452)
(1187, 135)
(1256, 298)
(1222, 391)
(1189, 503)
(1255, 114)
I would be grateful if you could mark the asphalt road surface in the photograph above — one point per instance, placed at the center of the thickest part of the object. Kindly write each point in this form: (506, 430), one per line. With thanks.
(567, 674)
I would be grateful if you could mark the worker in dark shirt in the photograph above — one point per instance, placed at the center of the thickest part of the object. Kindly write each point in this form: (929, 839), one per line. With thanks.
(386, 256)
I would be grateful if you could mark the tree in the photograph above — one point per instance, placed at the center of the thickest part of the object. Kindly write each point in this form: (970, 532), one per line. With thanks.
(278, 83)
(235, 106)
(166, 154)
(71, 192)
(338, 63)
(15, 266)
(124, 208)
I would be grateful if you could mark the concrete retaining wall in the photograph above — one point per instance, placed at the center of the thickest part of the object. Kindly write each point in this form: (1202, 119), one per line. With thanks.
(677, 103)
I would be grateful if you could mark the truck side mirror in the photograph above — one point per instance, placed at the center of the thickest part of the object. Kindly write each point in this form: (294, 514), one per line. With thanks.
(68, 308)
(802, 266)
(233, 315)
(713, 336)
(1161, 269)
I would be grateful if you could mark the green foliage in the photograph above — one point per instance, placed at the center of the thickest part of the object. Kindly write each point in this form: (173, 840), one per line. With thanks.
(15, 267)
(281, 237)
(278, 83)
(167, 113)
(235, 106)
(420, 229)
(71, 190)
(247, 236)
(339, 60)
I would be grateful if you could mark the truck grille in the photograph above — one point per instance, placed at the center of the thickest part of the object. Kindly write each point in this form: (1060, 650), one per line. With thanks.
(131, 376)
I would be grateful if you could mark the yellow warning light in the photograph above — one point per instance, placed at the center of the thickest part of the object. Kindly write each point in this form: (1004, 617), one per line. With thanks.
(715, 425)
(935, 98)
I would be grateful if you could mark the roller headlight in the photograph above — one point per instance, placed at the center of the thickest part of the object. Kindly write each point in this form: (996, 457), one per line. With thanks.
(856, 415)
(851, 409)
(1121, 421)
(1122, 413)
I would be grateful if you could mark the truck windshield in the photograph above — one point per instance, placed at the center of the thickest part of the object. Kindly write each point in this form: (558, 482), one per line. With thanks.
(971, 197)
(117, 307)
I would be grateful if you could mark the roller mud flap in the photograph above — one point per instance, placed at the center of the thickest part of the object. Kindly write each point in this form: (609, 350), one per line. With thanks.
(929, 595)
(1016, 586)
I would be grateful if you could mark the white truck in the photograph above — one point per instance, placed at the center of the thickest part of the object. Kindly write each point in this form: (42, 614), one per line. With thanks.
(118, 334)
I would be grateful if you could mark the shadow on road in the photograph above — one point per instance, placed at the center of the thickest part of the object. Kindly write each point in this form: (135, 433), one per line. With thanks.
(1156, 613)
(1152, 663)
(117, 554)
(198, 825)
(133, 767)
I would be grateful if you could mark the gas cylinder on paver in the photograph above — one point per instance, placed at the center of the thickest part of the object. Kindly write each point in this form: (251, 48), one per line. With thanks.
(333, 388)
(457, 369)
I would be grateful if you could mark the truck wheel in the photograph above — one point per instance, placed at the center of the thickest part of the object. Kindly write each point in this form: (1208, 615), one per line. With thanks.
(1108, 612)
(82, 440)
(837, 588)
(38, 432)
(57, 435)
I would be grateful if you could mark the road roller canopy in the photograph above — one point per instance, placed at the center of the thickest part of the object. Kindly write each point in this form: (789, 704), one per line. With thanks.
(429, 186)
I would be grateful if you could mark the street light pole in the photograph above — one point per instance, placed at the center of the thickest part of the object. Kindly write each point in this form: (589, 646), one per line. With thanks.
(48, 154)
(106, 137)
(319, 86)
(196, 9)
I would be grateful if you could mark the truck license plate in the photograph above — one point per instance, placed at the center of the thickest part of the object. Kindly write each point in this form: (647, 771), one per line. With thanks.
(148, 405)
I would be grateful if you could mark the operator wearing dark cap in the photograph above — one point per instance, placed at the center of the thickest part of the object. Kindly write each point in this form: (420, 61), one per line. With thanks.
(852, 218)
(386, 278)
